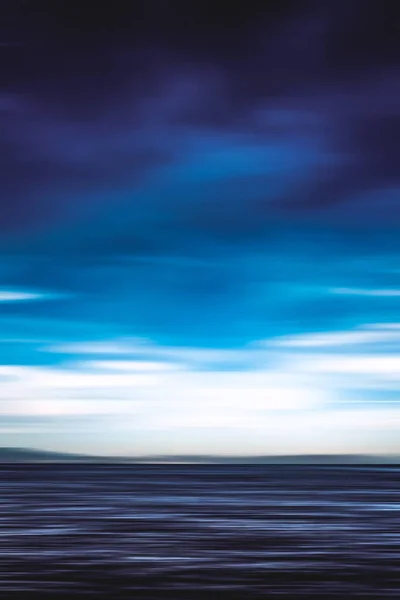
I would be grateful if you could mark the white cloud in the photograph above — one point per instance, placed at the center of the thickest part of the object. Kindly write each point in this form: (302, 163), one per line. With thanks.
(10, 296)
(129, 365)
(366, 292)
(27, 296)
(372, 362)
(365, 365)
(393, 326)
(291, 404)
(339, 338)
(280, 411)
(151, 390)
(371, 334)
(93, 347)
(49, 378)
(139, 346)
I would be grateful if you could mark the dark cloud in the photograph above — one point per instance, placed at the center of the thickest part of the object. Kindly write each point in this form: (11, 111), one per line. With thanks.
(96, 101)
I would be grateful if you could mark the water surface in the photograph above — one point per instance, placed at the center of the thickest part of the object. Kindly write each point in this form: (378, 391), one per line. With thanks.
(184, 531)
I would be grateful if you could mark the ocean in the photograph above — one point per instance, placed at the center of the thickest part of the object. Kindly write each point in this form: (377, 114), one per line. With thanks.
(199, 531)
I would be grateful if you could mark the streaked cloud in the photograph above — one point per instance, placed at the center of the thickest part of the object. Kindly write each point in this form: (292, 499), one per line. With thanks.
(372, 334)
(367, 366)
(156, 397)
(367, 292)
(19, 296)
(129, 365)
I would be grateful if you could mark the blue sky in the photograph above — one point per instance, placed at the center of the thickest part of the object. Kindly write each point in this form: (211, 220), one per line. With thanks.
(199, 247)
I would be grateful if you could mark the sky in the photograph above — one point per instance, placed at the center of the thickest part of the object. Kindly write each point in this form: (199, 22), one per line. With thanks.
(199, 227)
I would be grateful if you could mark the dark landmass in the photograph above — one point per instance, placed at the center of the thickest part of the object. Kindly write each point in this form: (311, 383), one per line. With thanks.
(23, 455)
(31, 455)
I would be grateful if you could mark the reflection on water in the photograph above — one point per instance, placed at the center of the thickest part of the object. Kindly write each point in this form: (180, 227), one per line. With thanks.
(178, 531)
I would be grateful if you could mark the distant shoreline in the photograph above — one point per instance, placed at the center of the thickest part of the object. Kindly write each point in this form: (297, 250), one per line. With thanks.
(25, 456)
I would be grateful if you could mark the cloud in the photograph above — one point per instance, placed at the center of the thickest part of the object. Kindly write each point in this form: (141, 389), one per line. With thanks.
(299, 403)
(163, 357)
(8, 296)
(93, 347)
(129, 365)
(152, 125)
(385, 326)
(367, 366)
(178, 384)
(186, 374)
(18, 296)
(367, 292)
(372, 334)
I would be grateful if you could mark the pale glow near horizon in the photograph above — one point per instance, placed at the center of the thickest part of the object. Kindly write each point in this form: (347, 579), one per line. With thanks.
(301, 404)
